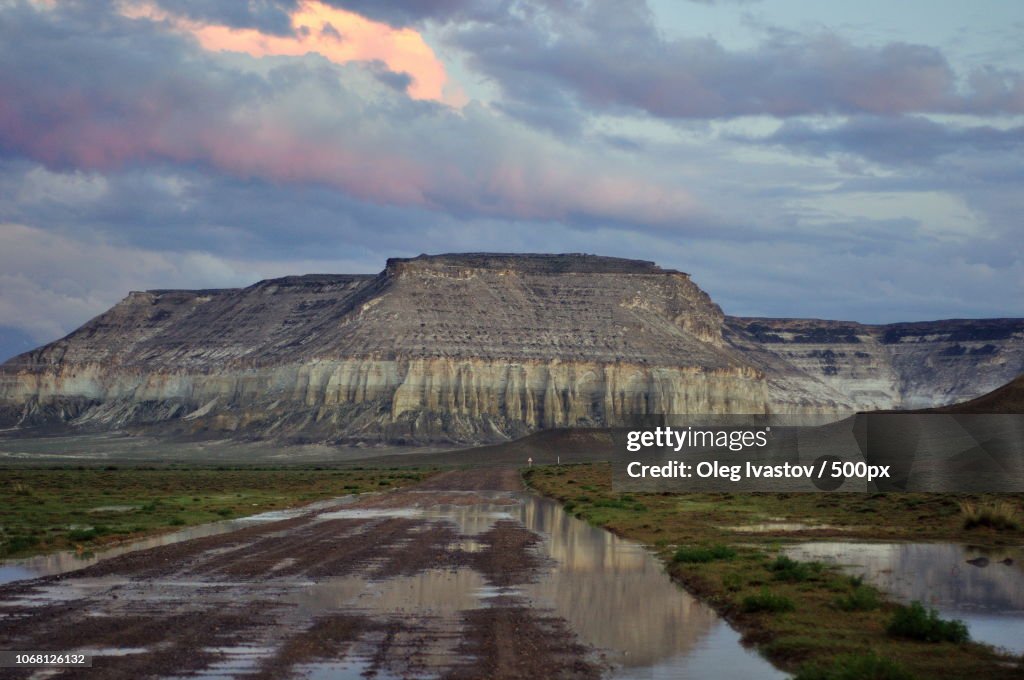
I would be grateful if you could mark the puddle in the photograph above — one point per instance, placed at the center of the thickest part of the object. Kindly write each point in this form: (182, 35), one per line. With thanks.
(112, 651)
(238, 661)
(68, 560)
(618, 598)
(471, 519)
(614, 594)
(986, 593)
(436, 592)
(356, 668)
(771, 527)
(113, 509)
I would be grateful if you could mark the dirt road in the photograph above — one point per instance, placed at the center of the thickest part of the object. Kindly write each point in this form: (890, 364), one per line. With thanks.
(366, 589)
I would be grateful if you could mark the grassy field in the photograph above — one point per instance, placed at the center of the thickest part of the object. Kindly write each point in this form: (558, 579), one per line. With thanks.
(52, 509)
(806, 617)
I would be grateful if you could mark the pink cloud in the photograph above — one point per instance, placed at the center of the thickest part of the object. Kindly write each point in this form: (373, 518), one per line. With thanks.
(190, 105)
(336, 34)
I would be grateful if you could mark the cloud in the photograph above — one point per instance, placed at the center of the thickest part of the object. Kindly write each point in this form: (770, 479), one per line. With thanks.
(51, 283)
(151, 97)
(337, 35)
(409, 12)
(131, 156)
(901, 140)
(267, 16)
(610, 56)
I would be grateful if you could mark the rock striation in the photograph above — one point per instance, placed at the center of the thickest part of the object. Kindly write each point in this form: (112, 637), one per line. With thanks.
(814, 365)
(476, 347)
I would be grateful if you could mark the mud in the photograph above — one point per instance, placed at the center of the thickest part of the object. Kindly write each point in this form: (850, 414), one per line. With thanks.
(463, 576)
(231, 605)
(512, 642)
(475, 479)
(328, 638)
(508, 557)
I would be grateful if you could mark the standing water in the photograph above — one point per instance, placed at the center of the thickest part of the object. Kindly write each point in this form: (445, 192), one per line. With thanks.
(983, 588)
(613, 595)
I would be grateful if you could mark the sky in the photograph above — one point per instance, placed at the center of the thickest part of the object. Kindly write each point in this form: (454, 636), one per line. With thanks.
(832, 159)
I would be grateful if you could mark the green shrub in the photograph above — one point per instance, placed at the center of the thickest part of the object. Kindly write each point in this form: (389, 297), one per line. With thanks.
(999, 515)
(787, 569)
(702, 554)
(18, 543)
(917, 623)
(176, 522)
(862, 599)
(767, 601)
(856, 667)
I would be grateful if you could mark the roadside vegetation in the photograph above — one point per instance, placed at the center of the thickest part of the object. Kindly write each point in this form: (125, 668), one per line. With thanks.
(85, 509)
(808, 618)
(998, 515)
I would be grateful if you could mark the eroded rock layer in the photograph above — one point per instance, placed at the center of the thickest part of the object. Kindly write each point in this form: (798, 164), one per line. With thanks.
(906, 365)
(477, 347)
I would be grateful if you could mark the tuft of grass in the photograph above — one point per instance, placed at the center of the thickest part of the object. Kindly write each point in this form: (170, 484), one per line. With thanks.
(16, 544)
(787, 569)
(20, 489)
(999, 515)
(862, 599)
(733, 582)
(767, 601)
(917, 623)
(703, 554)
(856, 667)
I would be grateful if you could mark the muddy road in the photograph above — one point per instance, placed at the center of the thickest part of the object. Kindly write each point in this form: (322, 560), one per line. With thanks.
(463, 576)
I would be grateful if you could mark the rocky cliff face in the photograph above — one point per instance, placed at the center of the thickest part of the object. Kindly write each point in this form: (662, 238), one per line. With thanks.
(476, 347)
(461, 347)
(813, 365)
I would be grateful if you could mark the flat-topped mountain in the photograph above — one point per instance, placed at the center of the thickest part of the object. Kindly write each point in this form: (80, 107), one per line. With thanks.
(478, 346)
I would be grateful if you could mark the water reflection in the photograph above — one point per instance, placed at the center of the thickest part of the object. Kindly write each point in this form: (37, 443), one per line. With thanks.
(613, 593)
(990, 598)
(618, 597)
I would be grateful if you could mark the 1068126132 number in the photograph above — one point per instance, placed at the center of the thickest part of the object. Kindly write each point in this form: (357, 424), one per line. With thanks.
(44, 659)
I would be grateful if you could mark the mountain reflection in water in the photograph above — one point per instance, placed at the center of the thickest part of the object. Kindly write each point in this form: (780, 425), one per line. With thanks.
(989, 599)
